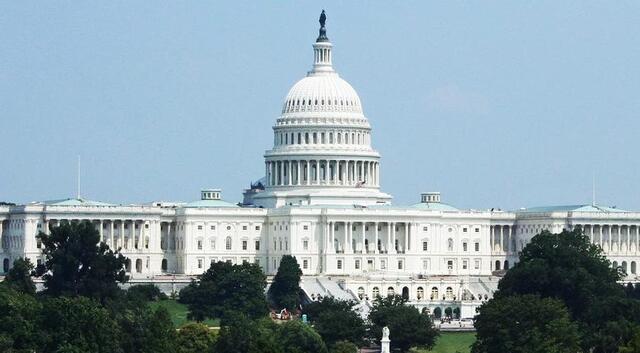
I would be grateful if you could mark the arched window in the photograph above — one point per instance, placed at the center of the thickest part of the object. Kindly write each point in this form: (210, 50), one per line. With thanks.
(624, 266)
(405, 293)
(449, 293)
(497, 265)
(227, 243)
(434, 293)
(390, 292)
(375, 293)
(615, 264)
(139, 265)
(164, 265)
(420, 293)
(450, 244)
(361, 293)
(5, 265)
(633, 267)
(506, 264)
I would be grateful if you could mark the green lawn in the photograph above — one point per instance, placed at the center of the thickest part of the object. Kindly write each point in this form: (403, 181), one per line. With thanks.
(452, 342)
(179, 312)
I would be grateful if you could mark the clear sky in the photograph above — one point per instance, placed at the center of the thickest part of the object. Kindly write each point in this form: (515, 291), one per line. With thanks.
(494, 103)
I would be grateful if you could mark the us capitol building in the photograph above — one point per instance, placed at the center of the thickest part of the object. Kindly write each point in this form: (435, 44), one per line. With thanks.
(320, 201)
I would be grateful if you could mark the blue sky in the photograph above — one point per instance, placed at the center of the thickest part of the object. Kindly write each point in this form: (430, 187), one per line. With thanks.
(494, 103)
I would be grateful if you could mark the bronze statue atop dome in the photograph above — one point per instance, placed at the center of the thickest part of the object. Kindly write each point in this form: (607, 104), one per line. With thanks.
(322, 37)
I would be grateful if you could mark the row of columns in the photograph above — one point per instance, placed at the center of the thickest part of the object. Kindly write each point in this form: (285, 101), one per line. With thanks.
(603, 235)
(388, 239)
(502, 238)
(322, 172)
(112, 232)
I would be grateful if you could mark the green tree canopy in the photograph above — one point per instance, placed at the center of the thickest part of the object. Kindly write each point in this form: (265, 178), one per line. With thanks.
(77, 263)
(343, 347)
(226, 288)
(335, 320)
(525, 324)
(284, 291)
(296, 337)
(19, 276)
(241, 335)
(195, 338)
(78, 325)
(408, 327)
(19, 313)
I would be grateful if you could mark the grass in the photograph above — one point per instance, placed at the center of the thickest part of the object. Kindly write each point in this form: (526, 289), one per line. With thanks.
(452, 342)
(179, 312)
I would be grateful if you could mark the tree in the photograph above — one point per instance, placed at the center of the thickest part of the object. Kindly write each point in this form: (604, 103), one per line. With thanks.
(296, 337)
(19, 276)
(525, 324)
(448, 312)
(335, 320)
(77, 263)
(226, 288)
(408, 327)
(241, 335)
(344, 347)
(78, 325)
(568, 267)
(145, 293)
(19, 314)
(633, 346)
(284, 291)
(195, 338)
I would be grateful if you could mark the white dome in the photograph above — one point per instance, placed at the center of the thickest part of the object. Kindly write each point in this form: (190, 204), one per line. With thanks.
(322, 93)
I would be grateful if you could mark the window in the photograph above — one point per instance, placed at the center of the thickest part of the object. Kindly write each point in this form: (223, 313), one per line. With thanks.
(449, 293)
(146, 226)
(450, 244)
(339, 264)
(420, 293)
(305, 264)
(465, 264)
(213, 244)
(213, 227)
(477, 230)
(424, 229)
(199, 244)
(464, 230)
(305, 244)
(199, 227)
(425, 246)
(477, 245)
(228, 243)
(244, 227)
(199, 263)
(228, 227)
(450, 264)
(400, 264)
(375, 292)
(257, 227)
(257, 244)
(434, 293)
(357, 264)
(425, 264)
(390, 292)
(244, 245)
(477, 264)
(464, 246)
(383, 264)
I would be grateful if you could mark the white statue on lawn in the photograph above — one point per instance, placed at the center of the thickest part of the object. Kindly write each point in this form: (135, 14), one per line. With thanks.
(385, 342)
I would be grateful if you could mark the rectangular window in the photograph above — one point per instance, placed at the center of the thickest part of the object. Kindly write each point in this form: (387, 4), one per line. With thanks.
(244, 245)
(425, 246)
(199, 263)
(199, 227)
(305, 264)
(257, 227)
(425, 264)
(383, 264)
(305, 227)
(464, 246)
(464, 230)
(305, 244)
(213, 244)
(477, 245)
(199, 244)
(424, 229)
(213, 227)
(244, 227)
(465, 264)
(450, 264)
(257, 244)
(357, 264)
(400, 264)
(477, 264)
(339, 264)
(477, 230)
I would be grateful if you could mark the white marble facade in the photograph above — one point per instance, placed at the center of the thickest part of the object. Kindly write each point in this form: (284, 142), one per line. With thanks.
(320, 201)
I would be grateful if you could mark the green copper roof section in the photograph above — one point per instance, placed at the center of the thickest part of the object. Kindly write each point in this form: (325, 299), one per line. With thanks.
(76, 202)
(573, 208)
(211, 204)
(436, 206)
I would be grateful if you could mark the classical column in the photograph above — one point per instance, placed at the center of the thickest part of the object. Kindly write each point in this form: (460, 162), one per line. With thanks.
(100, 231)
(501, 238)
(364, 237)
(289, 172)
(349, 236)
(332, 237)
(393, 249)
(600, 232)
(375, 239)
(122, 244)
